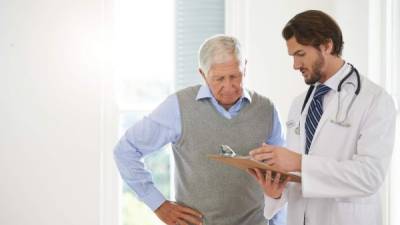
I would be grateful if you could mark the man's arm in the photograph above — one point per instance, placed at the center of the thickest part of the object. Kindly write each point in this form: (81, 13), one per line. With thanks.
(150, 134)
(275, 208)
(277, 136)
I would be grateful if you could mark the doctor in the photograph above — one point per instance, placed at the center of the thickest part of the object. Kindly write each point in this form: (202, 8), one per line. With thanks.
(340, 134)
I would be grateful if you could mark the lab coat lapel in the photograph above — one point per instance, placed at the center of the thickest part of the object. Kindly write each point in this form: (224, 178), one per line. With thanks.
(303, 117)
(330, 111)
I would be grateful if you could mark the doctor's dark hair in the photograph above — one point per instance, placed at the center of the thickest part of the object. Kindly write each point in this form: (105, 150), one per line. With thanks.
(314, 27)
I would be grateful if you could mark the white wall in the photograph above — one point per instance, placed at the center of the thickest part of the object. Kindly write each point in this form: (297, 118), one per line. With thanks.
(51, 97)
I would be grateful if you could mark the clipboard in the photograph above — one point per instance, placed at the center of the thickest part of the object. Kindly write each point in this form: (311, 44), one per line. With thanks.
(245, 162)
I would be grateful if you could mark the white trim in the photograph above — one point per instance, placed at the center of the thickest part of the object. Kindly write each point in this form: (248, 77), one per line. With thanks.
(388, 86)
(110, 184)
(394, 200)
(379, 40)
(171, 173)
(376, 41)
(236, 18)
(384, 55)
(393, 86)
(393, 48)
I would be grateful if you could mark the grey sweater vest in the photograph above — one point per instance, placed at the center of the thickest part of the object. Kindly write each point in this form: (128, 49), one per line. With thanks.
(224, 195)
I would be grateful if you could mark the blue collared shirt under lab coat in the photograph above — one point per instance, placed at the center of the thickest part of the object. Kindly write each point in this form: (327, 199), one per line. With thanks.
(163, 126)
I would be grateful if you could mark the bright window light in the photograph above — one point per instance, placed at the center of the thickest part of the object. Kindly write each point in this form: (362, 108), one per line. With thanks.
(144, 52)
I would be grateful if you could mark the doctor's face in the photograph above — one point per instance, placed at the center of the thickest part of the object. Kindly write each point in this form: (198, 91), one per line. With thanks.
(225, 81)
(307, 59)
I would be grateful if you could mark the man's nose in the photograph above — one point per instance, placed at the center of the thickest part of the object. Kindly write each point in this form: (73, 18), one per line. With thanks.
(227, 83)
(296, 64)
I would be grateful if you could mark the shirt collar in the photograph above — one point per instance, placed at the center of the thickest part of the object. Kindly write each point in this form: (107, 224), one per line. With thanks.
(204, 92)
(334, 80)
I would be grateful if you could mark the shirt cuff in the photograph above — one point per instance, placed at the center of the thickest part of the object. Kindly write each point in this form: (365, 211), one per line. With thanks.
(153, 198)
(272, 205)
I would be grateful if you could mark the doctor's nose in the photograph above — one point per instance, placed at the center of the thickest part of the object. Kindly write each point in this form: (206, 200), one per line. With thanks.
(296, 64)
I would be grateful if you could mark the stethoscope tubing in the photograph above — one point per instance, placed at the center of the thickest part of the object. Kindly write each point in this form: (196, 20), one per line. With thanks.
(339, 89)
(356, 92)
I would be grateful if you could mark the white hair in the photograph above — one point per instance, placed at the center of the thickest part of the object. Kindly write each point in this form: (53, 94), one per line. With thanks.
(219, 49)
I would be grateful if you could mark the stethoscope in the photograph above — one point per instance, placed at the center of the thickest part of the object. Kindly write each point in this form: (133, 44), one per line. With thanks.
(337, 121)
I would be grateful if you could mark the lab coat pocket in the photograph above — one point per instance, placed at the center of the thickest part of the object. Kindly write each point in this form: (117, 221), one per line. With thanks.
(343, 140)
(360, 200)
(347, 211)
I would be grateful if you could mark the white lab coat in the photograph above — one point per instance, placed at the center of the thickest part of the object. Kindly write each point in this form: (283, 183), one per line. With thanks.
(346, 166)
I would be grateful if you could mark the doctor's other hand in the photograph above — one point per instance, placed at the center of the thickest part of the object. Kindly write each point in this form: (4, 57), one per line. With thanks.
(270, 185)
(279, 157)
(172, 213)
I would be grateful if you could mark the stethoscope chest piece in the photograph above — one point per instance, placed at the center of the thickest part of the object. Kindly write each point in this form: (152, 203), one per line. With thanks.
(297, 130)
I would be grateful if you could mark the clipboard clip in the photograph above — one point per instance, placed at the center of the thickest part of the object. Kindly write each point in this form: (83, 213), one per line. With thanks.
(226, 151)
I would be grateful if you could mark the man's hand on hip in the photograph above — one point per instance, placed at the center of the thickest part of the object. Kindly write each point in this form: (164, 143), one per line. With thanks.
(173, 214)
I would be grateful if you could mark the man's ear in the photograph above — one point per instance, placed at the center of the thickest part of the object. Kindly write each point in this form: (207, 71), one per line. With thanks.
(327, 47)
(245, 66)
(202, 73)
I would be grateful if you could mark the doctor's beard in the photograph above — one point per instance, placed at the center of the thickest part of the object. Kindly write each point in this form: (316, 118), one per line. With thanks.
(315, 74)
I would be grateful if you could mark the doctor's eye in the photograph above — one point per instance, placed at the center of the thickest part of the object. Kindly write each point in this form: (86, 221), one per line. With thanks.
(301, 54)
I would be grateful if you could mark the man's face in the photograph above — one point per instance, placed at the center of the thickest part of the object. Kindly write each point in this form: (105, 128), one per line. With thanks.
(307, 59)
(225, 81)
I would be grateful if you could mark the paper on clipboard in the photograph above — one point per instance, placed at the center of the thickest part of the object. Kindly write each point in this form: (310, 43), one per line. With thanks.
(245, 162)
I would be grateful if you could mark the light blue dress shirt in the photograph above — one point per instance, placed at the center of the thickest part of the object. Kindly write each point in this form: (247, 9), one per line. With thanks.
(163, 126)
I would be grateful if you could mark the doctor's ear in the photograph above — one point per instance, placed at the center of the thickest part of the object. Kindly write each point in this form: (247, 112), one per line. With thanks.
(327, 47)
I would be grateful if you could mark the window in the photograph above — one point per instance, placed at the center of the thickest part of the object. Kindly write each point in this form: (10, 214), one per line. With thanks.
(195, 21)
(155, 53)
(159, 164)
(144, 67)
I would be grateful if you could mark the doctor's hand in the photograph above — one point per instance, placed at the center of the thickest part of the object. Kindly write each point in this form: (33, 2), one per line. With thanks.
(173, 214)
(270, 185)
(279, 157)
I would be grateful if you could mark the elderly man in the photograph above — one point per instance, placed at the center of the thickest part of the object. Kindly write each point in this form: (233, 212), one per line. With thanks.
(197, 120)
